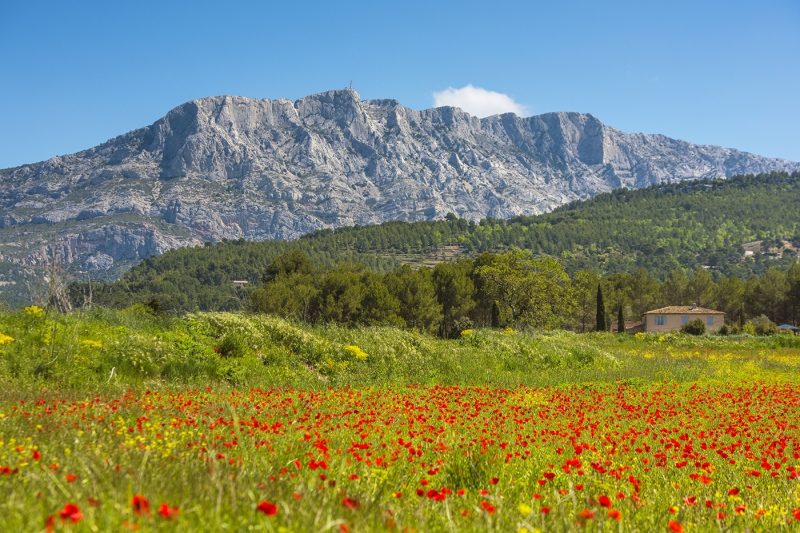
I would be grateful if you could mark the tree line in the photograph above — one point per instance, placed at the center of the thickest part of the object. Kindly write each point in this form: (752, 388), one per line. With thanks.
(662, 229)
(509, 289)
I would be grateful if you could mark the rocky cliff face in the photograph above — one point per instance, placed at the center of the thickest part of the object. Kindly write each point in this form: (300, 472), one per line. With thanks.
(232, 167)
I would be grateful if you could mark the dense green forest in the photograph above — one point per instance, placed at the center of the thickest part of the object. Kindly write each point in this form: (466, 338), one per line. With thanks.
(510, 289)
(669, 231)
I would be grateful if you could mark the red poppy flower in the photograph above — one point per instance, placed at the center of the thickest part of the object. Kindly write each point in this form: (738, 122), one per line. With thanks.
(494, 481)
(268, 508)
(604, 500)
(488, 507)
(350, 503)
(70, 477)
(797, 514)
(71, 512)
(585, 514)
(733, 492)
(140, 504)
(675, 526)
(615, 514)
(166, 511)
(544, 510)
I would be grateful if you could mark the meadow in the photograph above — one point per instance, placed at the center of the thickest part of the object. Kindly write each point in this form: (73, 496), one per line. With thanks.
(114, 420)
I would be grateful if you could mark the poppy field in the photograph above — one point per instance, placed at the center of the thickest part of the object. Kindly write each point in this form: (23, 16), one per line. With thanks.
(663, 457)
(125, 421)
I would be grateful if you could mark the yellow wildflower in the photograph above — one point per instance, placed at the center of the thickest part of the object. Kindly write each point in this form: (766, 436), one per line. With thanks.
(34, 310)
(356, 351)
(91, 343)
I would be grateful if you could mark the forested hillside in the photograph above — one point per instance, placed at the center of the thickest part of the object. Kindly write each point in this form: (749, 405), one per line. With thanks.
(660, 228)
(666, 230)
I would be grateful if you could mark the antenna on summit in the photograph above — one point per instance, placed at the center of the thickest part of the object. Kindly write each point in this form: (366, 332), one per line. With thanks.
(351, 85)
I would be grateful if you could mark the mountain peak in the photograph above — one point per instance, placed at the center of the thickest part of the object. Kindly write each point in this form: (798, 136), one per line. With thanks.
(335, 95)
(229, 167)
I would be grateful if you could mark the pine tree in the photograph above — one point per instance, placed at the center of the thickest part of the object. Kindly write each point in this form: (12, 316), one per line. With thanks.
(454, 291)
(600, 324)
(415, 291)
(620, 320)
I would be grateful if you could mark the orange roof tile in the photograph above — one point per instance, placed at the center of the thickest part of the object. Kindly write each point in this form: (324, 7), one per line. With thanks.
(683, 310)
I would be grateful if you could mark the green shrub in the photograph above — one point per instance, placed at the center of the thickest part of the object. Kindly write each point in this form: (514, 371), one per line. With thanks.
(136, 355)
(761, 326)
(242, 371)
(188, 358)
(233, 344)
(694, 327)
(583, 355)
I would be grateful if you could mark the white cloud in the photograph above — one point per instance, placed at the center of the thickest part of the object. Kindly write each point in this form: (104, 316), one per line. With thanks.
(479, 102)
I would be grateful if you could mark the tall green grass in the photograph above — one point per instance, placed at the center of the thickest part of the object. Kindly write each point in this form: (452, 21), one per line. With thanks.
(122, 348)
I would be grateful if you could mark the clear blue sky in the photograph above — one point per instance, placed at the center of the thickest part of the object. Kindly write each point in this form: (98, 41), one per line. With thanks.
(75, 73)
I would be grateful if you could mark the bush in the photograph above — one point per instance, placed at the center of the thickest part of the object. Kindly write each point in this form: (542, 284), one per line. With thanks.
(461, 324)
(694, 327)
(761, 326)
(234, 344)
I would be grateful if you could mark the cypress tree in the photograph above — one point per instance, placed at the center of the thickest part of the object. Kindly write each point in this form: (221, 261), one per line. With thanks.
(620, 320)
(601, 311)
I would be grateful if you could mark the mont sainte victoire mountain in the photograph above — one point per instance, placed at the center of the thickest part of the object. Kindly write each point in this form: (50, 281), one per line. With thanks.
(230, 167)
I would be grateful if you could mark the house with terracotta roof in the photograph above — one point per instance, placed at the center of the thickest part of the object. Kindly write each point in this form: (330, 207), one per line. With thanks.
(674, 317)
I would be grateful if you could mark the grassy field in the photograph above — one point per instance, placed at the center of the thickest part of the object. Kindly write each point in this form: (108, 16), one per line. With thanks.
(113, 420)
